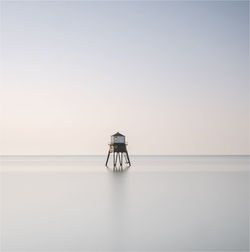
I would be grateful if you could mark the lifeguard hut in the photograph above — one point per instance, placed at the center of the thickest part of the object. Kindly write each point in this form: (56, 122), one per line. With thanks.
(118, 147)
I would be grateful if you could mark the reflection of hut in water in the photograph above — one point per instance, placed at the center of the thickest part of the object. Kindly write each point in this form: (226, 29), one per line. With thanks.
(118, 147)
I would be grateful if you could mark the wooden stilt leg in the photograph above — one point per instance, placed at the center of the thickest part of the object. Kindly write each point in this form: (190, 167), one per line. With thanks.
(107, 159)
(113, 159)
(119, 159)
(128, 158)
(116, 159)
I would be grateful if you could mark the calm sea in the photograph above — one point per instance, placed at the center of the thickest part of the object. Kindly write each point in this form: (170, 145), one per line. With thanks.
(167, 203)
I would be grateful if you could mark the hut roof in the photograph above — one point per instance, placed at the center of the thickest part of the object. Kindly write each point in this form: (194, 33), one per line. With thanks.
(117, 134)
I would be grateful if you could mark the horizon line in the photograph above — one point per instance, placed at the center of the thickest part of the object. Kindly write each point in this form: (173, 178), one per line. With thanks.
(84, 155)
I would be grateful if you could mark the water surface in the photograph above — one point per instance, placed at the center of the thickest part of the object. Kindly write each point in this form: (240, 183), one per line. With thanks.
(73, 203)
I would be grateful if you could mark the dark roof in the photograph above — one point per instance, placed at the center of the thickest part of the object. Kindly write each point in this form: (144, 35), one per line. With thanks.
(117, 134)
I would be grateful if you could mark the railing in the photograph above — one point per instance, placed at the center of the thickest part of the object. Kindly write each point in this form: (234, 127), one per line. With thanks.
(109, 143)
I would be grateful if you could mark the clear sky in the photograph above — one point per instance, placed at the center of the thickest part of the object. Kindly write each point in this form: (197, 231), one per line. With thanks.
(171, 76)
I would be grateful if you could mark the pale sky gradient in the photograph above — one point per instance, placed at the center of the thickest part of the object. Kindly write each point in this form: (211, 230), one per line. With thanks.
(171, 76)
